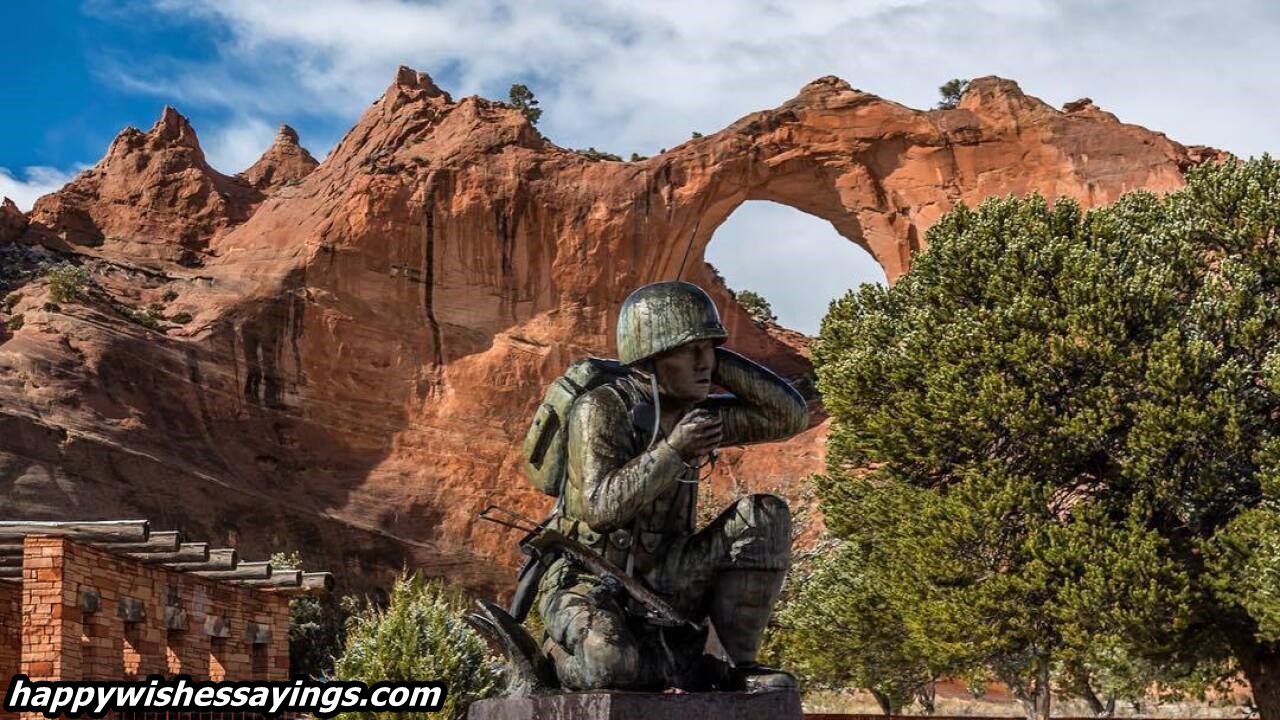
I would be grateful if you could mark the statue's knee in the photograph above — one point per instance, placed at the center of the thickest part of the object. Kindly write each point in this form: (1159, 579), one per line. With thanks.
(609, 662)
(768, 511)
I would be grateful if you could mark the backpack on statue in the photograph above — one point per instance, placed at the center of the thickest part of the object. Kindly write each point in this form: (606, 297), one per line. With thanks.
(546, 446)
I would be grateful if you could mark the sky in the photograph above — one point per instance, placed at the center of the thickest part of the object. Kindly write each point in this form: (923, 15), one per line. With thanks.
(618, 75)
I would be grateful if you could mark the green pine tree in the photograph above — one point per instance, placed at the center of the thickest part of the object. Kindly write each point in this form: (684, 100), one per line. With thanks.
(837, 629)
(1056, 437)
(951, 92)
(521, 98)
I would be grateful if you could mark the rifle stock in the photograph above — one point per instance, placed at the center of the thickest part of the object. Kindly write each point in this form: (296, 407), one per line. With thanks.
(542, 545)
(550, 541)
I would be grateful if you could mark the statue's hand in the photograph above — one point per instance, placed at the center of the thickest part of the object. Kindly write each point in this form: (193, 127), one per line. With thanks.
(697, 434)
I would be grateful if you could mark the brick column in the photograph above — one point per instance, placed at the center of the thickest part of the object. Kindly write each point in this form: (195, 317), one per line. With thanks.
(279, 669)
(51, 627)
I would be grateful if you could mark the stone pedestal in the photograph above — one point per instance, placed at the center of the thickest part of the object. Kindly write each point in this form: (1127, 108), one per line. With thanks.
(641, 706)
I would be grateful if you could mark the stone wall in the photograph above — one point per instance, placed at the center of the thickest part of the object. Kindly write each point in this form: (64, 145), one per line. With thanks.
(148, 619)
(10, 636)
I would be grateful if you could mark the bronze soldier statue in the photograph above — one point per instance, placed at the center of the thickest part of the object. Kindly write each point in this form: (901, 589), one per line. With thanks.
(635, 448)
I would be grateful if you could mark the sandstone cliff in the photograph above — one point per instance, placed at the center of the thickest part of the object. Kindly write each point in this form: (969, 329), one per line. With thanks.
(343, 358)
(284, 163)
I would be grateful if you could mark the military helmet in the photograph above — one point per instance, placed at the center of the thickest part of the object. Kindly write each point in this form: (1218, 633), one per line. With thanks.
(665, 315)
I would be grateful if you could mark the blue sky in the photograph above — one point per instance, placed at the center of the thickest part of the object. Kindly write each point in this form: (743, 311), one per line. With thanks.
(618, 75)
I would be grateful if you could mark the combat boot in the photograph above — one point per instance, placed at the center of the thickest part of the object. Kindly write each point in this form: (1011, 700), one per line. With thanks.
(740, 607)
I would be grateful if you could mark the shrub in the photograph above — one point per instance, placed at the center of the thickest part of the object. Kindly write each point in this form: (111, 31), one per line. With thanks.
(756, 306)
(15, 323)
(521, 98)
(144, 318)
(420, 635)
(951, 91)
(594, 155)
(317, 625)
(66, 281)
(181, 318)
(11, 300)
(169, 295)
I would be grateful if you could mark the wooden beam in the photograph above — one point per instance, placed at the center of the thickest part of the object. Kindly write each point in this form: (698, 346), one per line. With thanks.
(316, 582)
(243, 571)
(257, 634)
(321, 581)
(219, 559)
(281, 577)
(166, 541)
(88, 599)
(161, 542)
(186, 553)
(131, 610)
(11, 561)
(217, 626)
(175, 618)
(99, 531)
(11, 572)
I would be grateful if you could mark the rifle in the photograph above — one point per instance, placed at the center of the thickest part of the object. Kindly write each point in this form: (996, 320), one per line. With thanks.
(541, 545)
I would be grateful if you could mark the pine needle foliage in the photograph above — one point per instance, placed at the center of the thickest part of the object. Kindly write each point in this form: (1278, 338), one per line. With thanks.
(1055, 444)
(756, 306)
(420, 635)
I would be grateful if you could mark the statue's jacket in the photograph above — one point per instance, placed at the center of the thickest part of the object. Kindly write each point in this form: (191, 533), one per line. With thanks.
(632, 500)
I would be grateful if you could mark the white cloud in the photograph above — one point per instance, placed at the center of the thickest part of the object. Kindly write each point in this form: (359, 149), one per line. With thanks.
(232, 148)
(637, 76)
(798, 262)
(37, 180)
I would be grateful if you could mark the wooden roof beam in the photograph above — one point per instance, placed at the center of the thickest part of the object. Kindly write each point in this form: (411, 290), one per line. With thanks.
(197, 553)
(242, 571)
(281, 577)
(219, 559)
(128, 531)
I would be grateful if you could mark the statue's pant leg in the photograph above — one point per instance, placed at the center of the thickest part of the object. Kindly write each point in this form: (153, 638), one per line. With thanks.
(732, 570)
(593, 648)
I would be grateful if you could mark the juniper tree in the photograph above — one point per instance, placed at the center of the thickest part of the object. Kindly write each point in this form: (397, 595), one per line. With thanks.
(837, 630)
(951, 91)
(420, 635)
(756, 306)
(1058, 436)
(522, 98)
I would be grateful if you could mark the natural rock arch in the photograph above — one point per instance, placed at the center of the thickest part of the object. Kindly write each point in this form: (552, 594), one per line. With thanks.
(367, 347)
(797, 262)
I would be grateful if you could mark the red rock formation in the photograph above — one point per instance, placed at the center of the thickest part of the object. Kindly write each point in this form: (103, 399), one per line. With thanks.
(153, 197)
(12, 221)
(283, 163)
(368, 346)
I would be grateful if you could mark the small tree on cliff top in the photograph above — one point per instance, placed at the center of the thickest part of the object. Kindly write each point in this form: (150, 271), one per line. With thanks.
(951, 91)
(1071, 425)
(521, 97)
(756, 306)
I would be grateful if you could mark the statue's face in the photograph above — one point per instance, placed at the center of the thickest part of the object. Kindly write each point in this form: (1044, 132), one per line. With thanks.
(684, 373)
